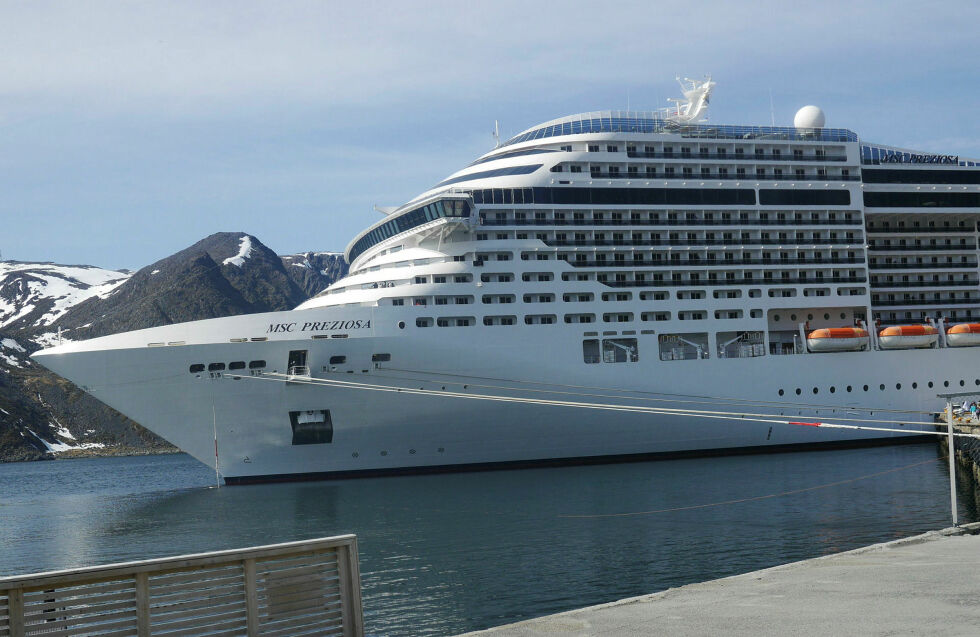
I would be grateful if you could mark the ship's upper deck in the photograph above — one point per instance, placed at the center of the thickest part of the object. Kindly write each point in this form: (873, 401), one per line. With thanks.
(653, 122)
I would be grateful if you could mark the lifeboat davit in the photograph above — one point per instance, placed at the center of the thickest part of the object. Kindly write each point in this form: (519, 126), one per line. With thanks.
(963, 335)
(908, 336)
(837, 339)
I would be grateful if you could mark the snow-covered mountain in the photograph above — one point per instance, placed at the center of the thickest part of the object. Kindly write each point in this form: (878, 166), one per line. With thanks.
(41, 415)
(38, 294)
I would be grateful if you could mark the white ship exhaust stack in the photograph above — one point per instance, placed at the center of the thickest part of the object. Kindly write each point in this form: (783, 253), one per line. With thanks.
(809, 116)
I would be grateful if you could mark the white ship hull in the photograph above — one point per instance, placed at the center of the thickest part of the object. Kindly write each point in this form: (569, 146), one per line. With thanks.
(376, 431)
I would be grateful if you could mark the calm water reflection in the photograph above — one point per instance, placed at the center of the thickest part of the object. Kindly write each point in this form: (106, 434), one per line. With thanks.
(444, 554)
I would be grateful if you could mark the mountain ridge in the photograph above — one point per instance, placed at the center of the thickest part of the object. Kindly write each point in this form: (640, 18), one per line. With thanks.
(43, 416)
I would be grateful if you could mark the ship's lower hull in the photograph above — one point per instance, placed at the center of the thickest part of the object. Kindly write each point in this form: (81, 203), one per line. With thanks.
(443, 402)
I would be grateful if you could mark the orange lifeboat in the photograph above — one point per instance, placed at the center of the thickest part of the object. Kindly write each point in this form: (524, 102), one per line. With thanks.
(837, 339)
(963, 335)
(908, 336)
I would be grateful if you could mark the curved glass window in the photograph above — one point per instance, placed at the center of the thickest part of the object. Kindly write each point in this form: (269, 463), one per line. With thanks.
(633, 122)
(407, 221)
(496, 172)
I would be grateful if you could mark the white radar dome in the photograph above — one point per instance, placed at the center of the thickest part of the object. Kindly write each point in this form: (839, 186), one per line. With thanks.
(809, 117)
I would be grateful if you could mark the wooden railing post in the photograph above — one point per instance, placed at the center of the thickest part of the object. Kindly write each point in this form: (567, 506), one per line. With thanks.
(15, 608)
(143, 604)
(251, 598)
(350, 589)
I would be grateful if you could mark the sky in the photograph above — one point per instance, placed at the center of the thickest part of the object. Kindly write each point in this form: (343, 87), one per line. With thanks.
(130, 130)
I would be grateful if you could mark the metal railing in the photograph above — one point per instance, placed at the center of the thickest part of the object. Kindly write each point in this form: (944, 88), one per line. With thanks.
(736, 156)
(685, 263)
(693, 176)
(923, 266)
(737, 221)
(308, 587)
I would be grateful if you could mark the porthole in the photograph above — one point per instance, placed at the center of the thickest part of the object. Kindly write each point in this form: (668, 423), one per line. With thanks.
(236, 365)
(792, 317)
(775, 318)
(338, 360)
(945, 383)
(401, 325)
(384, 453)
(962, 383)
(815, 390)
(354, 455)
(441, 449)
(843, 316)
(826, 316)
(865, 388)
(881, 387)
(411, 451)
(848, 388)
(798, 391)
(977, 382)
(832, 389)
(915, 385)
(199, 367)
(216, 367)
(898, 385)
(809, 317)
(930, 384)
(781, 392)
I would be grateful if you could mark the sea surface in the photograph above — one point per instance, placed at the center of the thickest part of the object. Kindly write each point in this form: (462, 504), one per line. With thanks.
(444, 554)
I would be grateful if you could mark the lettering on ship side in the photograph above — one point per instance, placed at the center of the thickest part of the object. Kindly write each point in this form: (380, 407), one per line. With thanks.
(318, 326)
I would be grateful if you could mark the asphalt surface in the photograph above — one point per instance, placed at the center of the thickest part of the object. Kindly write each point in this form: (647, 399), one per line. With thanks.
(923, 585)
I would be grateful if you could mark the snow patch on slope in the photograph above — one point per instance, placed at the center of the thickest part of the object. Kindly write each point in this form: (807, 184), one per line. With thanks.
(244, 252)
(61, 447)
(13, 346)
(23, 286)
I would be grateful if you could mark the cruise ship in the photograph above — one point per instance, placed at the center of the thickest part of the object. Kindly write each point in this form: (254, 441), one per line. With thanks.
(605, 286)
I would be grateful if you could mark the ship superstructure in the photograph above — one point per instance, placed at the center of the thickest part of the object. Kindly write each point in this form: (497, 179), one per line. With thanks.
(632, 258)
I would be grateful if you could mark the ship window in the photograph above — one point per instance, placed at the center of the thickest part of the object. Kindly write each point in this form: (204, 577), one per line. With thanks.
(590, 351)
(197, 367)
(338, 360)
(236, 365)
(256, 364)
(216, 367)
(380, 358)
(312, 427)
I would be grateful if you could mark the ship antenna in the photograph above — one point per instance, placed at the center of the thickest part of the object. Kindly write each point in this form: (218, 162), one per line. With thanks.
(496, 133)
(772, 111)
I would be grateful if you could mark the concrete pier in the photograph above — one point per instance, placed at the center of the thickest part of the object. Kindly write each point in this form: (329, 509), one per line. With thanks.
(924, 585)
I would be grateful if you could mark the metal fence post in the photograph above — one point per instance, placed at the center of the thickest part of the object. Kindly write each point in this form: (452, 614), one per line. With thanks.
(952, 462)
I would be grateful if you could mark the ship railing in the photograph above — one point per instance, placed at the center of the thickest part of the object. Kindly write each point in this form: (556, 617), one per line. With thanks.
(310, 586)
(923, 248)
(735, 156)
(733, 281)
(876, 285)
(629, 263)
(793, 222)
(722, 176)
(923, 266)
(746, 241)
(299, 371)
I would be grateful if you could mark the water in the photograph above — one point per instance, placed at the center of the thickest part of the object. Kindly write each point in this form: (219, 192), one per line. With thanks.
(448, 553)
